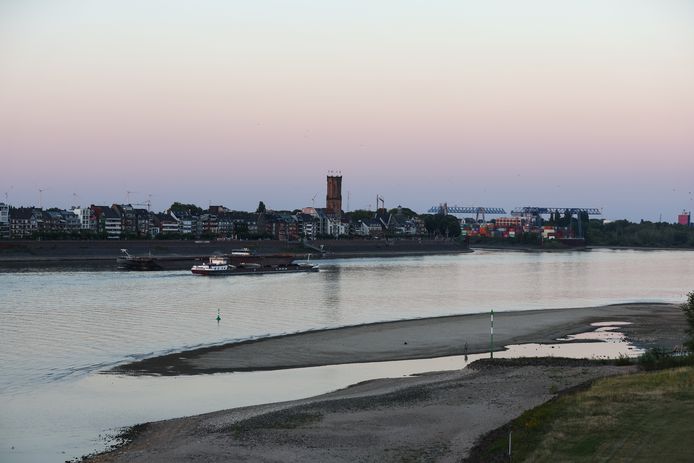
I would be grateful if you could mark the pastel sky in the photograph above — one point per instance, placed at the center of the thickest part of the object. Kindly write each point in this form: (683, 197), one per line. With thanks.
(498, 103)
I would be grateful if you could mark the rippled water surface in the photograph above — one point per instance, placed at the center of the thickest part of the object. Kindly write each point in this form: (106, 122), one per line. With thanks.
(58, 328)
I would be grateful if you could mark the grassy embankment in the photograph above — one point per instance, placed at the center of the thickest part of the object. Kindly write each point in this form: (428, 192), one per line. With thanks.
(641, 417)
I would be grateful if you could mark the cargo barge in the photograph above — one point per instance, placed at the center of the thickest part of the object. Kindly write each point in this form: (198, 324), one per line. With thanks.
(238, 262)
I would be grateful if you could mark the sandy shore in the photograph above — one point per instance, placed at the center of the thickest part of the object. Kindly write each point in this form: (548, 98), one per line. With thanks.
(432, 417)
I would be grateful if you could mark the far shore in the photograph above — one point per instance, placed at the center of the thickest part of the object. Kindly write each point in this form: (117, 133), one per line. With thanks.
(182, 254)
(100, 255)
(437, 416)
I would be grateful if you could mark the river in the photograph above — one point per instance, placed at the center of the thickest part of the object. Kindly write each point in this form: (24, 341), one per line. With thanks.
(60, 328)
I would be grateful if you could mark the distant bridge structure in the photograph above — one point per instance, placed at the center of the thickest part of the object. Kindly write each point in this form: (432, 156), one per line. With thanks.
(477, 210)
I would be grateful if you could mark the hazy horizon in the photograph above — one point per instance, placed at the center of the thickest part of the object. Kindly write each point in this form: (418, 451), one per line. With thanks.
(496, 104)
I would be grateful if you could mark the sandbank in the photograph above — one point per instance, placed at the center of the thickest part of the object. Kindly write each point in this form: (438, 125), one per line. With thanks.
(652, 324)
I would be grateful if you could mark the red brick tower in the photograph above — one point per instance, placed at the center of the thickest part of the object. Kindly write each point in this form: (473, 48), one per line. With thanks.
(333, 200)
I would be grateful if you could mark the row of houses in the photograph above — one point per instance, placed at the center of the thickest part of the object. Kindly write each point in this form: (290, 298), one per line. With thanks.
(120, 221)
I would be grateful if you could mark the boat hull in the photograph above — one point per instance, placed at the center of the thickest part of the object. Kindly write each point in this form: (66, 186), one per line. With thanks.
(257, 271)
(137, 263)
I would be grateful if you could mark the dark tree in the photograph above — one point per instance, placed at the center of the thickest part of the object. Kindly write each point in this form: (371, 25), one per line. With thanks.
(688, 309)
(361, 214)
(406, 211)
(186, 208)
(261, 208)
(442, 225)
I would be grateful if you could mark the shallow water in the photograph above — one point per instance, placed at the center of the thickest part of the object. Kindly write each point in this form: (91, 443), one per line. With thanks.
(71, 412)
(59, 328)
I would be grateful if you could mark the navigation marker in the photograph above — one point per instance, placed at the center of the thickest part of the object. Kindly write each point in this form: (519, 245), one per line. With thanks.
(491, 336)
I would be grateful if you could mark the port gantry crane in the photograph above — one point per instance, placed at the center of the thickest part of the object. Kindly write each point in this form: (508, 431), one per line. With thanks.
(445, 209)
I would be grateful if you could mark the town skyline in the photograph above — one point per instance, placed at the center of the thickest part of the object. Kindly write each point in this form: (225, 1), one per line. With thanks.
(588, 104)
(155, 203)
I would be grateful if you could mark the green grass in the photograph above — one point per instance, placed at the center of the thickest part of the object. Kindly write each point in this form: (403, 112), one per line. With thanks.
(641, 417)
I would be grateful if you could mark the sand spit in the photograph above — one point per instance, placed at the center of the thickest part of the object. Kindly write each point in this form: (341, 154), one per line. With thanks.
(661, 324)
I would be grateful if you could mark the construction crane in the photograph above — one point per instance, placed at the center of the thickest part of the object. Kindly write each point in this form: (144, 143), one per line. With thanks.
(147, 203)
(41, 190)
(7, 194)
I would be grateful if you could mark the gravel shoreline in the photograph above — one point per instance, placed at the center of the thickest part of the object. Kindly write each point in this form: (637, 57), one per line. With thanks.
(434, 417)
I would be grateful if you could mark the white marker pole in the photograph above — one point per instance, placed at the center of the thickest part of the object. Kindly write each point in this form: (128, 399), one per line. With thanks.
(491, 336)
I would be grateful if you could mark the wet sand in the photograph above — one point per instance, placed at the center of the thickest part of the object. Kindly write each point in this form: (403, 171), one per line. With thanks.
(431, 417)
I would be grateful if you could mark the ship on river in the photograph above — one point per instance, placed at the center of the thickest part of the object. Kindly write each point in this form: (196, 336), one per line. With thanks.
(237, 262)
(221, 266)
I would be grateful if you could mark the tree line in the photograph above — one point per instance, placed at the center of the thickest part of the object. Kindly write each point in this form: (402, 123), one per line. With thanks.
(644, 234)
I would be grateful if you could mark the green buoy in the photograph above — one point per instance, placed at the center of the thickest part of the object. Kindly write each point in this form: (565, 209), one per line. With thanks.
(219, 317)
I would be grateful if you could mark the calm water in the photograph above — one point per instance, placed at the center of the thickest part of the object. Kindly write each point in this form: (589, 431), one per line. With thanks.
(59, 328)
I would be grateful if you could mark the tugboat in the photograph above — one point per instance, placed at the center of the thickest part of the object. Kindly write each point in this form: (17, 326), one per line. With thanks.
(216, 265)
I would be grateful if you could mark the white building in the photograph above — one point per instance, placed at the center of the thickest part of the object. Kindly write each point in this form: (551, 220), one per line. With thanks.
(335, 227)
(85, 217)
(4, 220)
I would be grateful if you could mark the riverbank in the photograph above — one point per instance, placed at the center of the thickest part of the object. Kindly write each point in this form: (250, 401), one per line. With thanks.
(607, 420)
(434, 417)
(590, 247)
(182, 254)
(431, 417)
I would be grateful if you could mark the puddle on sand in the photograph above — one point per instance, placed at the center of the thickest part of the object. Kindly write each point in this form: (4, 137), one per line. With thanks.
(605, 342)
(610, 323)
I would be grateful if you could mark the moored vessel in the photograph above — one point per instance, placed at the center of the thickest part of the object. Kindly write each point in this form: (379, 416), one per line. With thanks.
(129, 262)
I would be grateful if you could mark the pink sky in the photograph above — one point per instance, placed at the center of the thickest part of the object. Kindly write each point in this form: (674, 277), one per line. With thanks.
(502, 104)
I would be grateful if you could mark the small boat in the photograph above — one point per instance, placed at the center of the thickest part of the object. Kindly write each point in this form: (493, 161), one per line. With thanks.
(307, 264)
(241, 252)
(216, 265)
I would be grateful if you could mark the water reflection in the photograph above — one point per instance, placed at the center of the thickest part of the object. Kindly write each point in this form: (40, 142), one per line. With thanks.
(331, 289)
